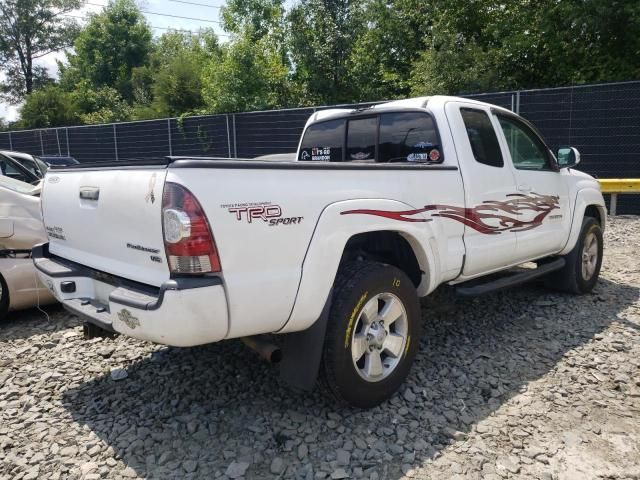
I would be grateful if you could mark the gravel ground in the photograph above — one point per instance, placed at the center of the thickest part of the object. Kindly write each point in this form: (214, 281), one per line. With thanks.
(520, 384)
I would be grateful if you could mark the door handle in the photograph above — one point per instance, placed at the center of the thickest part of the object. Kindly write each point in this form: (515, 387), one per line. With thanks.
(89, 193)
(524, 188)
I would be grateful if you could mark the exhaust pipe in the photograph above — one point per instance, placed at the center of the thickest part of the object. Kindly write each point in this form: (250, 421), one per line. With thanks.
(267, 350)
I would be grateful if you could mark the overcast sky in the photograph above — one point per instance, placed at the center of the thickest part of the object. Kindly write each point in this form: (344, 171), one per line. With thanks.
(207, 14)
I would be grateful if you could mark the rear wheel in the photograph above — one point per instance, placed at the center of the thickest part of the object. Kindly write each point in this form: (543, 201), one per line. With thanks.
(582, 268)
(372, 334)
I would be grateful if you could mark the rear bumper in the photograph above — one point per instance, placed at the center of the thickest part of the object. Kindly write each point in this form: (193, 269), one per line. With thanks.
(181, 312)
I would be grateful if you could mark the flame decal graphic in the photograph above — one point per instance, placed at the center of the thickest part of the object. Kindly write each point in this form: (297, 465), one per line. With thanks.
(402, 216)
(507, 213)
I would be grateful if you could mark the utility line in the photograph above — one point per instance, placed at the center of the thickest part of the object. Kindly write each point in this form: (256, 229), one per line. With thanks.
(153, 26)
(194, 3)
(178, 16)
(164, 14)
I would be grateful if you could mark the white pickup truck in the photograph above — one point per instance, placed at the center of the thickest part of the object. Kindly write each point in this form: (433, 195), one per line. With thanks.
(331, 250)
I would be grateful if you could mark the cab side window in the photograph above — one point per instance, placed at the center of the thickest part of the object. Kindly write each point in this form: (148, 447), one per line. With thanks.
(409, 137)
(323, 142)
(527, 150)
(482, 137)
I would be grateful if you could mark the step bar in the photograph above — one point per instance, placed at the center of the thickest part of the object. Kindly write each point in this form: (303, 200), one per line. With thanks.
(510, 280)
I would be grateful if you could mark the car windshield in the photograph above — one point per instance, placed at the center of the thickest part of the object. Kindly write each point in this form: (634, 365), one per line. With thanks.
(24, 167)
(18, 186)
(43, 166)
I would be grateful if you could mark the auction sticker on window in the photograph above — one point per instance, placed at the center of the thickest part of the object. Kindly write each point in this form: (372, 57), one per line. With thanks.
(321, 154)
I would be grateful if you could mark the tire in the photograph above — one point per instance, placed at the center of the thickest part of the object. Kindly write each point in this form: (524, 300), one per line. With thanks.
(4, 299)
(364, 294)
(575, 276)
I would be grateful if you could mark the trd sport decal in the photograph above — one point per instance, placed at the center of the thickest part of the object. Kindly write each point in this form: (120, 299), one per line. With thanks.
(265, 211)
(506, 213)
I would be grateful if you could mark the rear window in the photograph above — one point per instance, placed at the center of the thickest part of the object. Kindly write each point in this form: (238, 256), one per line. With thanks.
(323, 142)
(386, 137)
(361, 139)
(482, 137)
(409, 137)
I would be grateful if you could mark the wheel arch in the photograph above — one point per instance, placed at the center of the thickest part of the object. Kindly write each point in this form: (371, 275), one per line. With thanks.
(597, 212)
(386, 246)
(339, 235)
(589, 203)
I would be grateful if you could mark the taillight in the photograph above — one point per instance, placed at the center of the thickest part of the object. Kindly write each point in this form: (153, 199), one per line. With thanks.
(188, 240)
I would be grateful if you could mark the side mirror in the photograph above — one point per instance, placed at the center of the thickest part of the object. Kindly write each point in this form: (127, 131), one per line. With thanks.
(568, 157)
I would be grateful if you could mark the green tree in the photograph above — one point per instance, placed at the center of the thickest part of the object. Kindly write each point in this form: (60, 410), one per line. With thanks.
(30, 29)
(256, 18)
(171, 84)
(589, 41)
(178, 86)
(261, 21)
(48, 107)
(99, 105)
(492, 45)
(202, 44)
(323, 33)
(248, 76)
(110, 47)
(380, 62)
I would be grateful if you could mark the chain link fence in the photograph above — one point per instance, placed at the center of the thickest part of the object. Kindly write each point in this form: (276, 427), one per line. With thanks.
(602, 121)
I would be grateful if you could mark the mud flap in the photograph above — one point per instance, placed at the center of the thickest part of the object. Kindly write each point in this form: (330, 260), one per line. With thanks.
(302, 352)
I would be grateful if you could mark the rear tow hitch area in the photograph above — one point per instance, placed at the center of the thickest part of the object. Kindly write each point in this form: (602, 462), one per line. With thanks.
(89, 331)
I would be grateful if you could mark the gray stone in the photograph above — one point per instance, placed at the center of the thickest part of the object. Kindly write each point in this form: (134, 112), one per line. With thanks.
(129, 473)
(190, 466)
(303, 451)
(338, 474)
(343, 457)
(118, 374)
(508, 463)
(409, 396)
(236, 469)
(277, 466)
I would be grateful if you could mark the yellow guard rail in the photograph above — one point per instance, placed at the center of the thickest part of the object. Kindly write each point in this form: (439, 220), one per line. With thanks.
(614, 186)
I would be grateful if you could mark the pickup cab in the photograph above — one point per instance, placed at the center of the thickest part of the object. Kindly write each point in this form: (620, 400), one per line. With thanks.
(331, 250)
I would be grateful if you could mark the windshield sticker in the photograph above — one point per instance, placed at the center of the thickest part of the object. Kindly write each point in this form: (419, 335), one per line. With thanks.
(423, 145)
(434, 155)
(418, 157)
(321, 154)
(305, 155)
(360, 155)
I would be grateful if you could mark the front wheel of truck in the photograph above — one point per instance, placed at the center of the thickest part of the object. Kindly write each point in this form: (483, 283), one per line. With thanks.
(372, 334)
(582, 267)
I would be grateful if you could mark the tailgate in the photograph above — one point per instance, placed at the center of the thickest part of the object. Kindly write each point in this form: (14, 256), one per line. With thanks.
(108, 219)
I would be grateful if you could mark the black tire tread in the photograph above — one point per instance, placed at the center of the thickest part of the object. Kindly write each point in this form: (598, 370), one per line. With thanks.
(348, 278)
(566, 279)
(345, 277)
